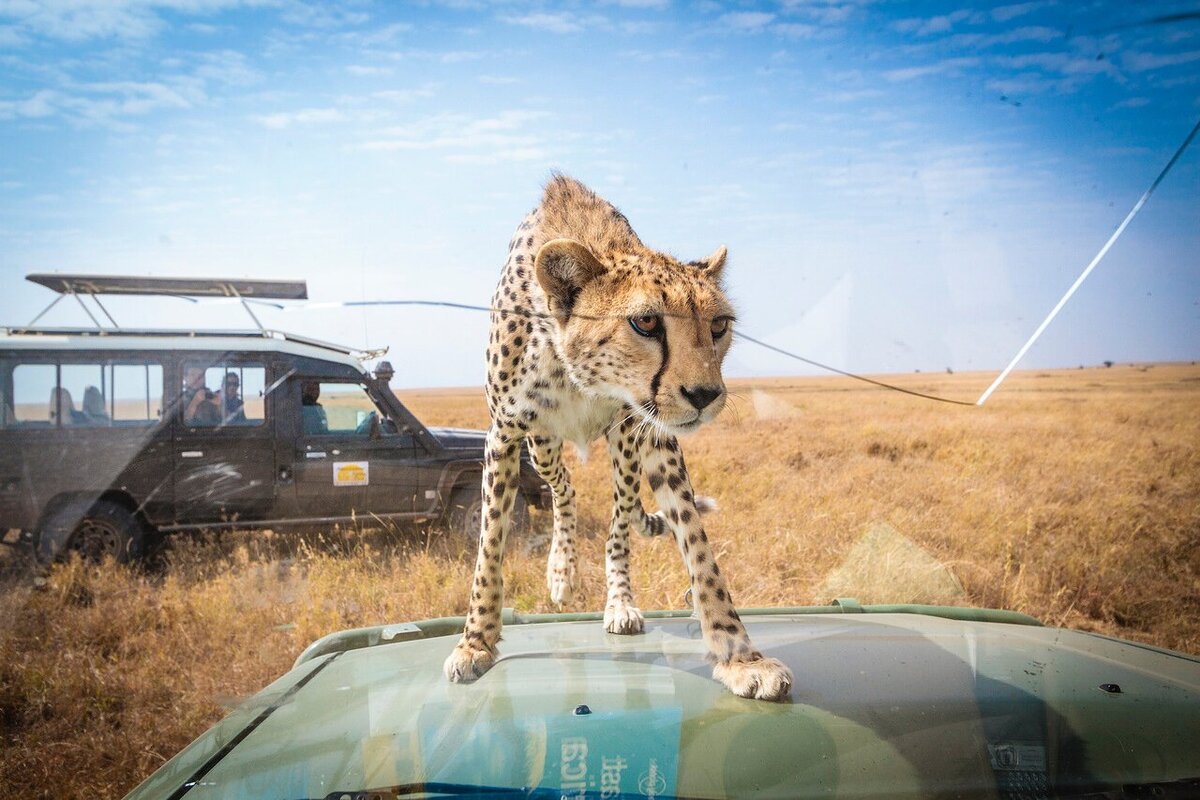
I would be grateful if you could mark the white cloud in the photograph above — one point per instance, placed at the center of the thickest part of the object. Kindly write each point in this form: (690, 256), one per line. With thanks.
(656, 5)
(305, 116)
(1005, 13)
(321, 15)
(461, 56)
(1146, 62)
(41, 104)
(796, 30)
(824, 12)
(948, 66)
(404, 95)
(745, 21)
(380, 36)
(99, 104)
(640, 27)
(939, 24)
(1066, 64)
(465, 137)
(1030, 83)
(11, 36)
(75, 20)
(1132, 102)
(853, 95)
(499, 156)
(1060, 73)
(362, 70)
(1032, 33)
(228, 67)
(560, 22)
(651, 55)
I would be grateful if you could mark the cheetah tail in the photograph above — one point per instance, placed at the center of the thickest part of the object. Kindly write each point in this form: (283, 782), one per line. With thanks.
(656, 524)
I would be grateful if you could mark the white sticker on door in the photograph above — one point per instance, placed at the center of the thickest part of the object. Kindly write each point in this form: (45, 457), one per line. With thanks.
(351, 473)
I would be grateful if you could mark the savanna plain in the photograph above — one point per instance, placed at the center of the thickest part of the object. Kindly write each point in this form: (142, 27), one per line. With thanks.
(1073, 495)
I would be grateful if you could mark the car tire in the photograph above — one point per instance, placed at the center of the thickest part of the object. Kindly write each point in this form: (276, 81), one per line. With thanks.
(465, 509)
(104, 529)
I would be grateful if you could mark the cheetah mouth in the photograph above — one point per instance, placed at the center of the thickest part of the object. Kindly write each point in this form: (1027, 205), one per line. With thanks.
(676, 427)
(650, 416)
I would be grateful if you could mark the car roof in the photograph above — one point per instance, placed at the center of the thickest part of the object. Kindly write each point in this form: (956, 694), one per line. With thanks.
(884, 705)
(232, 341)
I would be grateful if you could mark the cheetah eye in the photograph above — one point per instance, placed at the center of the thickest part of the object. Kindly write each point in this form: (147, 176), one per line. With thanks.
(719, 327)
(646, 325)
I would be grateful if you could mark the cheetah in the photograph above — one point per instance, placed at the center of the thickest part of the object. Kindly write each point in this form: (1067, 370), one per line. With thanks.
(594, 334)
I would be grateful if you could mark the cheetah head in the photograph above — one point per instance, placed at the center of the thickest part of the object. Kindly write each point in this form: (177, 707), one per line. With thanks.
(641, 328)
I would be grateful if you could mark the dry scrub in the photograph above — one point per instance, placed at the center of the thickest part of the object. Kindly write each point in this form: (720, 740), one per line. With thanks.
(1073, 496)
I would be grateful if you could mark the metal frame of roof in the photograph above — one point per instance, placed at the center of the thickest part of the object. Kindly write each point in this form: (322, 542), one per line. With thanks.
(245, 290)
(251, 288)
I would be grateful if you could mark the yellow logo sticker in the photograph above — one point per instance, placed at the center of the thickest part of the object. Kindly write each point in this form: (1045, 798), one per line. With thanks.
(351, 473)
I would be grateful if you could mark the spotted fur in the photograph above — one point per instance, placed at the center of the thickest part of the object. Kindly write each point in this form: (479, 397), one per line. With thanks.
(596, 335)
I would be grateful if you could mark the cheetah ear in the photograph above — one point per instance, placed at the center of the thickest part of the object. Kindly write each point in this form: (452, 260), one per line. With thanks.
(714, 264)
(563, 268)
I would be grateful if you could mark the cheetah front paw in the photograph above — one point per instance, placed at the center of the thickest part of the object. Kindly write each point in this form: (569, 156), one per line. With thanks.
(761, 679)
(623, 618)
(467, 663)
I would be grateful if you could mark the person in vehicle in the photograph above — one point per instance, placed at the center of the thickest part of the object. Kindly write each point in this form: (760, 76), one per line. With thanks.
(311, 410)
(199, 404)
(62, 403)
(229, 400)
(93, 406)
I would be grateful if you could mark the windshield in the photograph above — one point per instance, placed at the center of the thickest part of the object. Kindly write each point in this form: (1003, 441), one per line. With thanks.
(913, 286)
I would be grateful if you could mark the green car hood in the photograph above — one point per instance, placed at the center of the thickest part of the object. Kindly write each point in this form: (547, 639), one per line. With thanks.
(884, 705)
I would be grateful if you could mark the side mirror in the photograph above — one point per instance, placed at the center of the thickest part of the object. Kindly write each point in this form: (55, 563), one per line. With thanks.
(375, 430)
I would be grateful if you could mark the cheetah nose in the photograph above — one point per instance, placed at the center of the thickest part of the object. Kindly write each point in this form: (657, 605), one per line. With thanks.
(701, 396)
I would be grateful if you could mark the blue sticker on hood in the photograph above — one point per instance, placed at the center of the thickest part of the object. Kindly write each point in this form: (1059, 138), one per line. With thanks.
(600, 754)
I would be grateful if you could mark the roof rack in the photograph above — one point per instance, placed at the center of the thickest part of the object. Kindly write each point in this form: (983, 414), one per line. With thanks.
(245, 290)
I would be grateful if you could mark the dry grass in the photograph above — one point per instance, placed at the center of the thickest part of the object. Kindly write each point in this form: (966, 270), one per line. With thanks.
(1073, 496)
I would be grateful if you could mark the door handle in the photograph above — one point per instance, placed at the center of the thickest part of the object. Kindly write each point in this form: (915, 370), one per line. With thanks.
(192, 454)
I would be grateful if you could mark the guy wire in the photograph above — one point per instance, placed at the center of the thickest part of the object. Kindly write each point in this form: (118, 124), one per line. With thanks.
(528, 313)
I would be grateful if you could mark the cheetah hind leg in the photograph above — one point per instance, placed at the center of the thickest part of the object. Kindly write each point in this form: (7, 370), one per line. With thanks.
(655, 524)
(562, 577)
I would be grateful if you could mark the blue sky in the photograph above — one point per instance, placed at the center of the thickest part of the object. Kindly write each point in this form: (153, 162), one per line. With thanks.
(901, 185)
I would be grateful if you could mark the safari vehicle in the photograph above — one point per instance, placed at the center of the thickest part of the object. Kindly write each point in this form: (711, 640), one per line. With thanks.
(110, 434)
(889, 702)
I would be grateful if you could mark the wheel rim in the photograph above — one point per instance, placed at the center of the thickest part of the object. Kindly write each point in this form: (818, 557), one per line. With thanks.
(94, 540)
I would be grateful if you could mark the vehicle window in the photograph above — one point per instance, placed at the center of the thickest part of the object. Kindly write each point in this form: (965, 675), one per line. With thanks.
(84, 388)
(217, 395)
(135, 390)
(341, 408)
(35, 400)
(86, 395)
